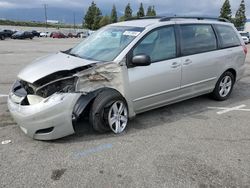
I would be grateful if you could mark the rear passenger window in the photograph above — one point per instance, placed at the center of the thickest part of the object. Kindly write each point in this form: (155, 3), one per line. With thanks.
(227, 36)
(197, 39)
(159, 45)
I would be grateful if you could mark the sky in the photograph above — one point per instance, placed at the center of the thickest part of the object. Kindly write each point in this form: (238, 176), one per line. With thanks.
(63, 10)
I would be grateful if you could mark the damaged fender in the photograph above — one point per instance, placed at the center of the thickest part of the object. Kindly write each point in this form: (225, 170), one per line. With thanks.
(79, 110)
(102, 76)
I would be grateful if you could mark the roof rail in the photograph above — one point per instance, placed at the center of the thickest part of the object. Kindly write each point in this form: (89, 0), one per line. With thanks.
(194, 17)
(150, 17)
(144, 18)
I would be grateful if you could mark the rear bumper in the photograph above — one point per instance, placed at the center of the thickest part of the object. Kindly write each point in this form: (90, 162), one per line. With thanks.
(48, 120)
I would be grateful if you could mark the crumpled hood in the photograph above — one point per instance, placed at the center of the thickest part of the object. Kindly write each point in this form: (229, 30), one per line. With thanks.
(51, 64)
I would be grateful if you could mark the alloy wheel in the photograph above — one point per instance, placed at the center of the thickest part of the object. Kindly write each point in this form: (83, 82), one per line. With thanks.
(225, 86)
(118, 117)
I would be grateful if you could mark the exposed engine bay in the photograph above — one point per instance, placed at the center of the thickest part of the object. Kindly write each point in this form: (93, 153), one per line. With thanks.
(84, 79)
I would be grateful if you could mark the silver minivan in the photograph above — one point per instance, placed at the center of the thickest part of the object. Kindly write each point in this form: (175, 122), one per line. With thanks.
(125, 69)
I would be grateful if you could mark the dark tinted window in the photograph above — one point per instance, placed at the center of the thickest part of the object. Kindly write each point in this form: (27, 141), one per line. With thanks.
(159, 45)
(227, 36)
(197, 39)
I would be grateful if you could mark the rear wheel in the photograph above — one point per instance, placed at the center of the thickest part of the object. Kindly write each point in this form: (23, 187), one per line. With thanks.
(2, 37)
(109, 112)
(224, 87)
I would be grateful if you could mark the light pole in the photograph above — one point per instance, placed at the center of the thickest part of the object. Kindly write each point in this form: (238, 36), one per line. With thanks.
(74, 22)
(45, 13)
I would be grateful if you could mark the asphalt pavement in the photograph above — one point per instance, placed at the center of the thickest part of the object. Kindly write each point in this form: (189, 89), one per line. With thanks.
(196, 143)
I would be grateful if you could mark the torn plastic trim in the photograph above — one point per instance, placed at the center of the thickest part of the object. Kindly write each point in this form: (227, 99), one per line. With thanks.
(80, 107)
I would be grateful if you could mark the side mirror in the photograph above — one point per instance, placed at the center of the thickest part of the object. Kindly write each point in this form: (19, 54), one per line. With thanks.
(141, 60)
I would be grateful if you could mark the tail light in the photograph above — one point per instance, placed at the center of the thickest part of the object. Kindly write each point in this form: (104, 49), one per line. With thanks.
(245, 49)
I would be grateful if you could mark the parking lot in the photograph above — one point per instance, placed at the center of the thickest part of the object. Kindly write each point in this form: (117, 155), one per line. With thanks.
(196, 143)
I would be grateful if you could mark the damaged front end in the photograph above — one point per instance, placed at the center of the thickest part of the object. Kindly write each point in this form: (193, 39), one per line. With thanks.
(50, 107)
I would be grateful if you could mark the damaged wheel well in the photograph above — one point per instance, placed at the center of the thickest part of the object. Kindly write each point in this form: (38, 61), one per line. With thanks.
(80, 114)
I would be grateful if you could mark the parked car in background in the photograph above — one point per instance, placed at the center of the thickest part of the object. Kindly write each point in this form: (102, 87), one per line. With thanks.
(245, 39)
(52, 33)
(45, 34)
(71, 35)
(2, 36)
(58, 35)
(245, 36)
(8, 33)
(78, 35)
(83, 34)
(22, 35)
(35, 33)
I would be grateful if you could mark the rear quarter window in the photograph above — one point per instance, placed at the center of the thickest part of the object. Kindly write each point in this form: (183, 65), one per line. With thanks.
(227, 36)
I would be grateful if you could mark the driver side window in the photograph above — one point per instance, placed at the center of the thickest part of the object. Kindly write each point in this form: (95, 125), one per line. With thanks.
(159, 45)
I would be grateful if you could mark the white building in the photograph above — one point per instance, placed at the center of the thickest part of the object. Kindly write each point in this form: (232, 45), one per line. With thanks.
(53, 21)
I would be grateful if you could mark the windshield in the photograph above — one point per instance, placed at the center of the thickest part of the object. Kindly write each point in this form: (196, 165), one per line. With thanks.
(107, 43)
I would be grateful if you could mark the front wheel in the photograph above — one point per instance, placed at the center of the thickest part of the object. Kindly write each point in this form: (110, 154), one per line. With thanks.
(109, 111)
(224, 87)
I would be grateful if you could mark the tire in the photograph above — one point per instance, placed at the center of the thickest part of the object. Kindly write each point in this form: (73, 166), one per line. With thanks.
(224, 87)
(102, 115)
(2, 37)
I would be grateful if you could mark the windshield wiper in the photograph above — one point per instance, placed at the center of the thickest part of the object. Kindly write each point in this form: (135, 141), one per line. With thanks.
(69, 53)
(75, 55)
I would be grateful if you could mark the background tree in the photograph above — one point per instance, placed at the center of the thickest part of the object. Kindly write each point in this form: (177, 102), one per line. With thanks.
(104, 21)
(141, 12)
(226, 11)
(122, 19)
(149, 11)
(97, 19)
(240, 16)
(128, 12)
(153, 11)
(113, 17)
(92, 17)
(89, 16)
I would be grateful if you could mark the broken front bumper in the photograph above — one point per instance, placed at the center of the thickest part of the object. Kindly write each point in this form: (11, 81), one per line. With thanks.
(47, 120)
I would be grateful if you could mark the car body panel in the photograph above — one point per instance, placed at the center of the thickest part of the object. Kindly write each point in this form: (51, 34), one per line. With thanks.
(51, 64)
(33, 118)
(159, 84)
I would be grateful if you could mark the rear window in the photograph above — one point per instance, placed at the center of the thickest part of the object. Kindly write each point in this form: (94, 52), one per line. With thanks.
(228, 36)
(197, 39)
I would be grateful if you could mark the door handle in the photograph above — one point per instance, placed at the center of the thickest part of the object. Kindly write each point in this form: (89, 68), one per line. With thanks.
(187, 62)
(175, 65)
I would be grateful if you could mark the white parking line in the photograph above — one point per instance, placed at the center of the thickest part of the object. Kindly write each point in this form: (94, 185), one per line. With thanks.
(1, 95)
(226, 110)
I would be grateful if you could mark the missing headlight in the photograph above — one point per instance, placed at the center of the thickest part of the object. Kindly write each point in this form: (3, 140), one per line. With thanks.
(65, 85)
